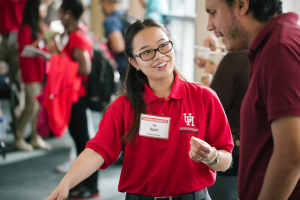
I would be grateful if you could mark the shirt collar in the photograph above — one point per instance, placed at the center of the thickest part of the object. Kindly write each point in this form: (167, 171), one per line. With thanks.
(272, 24)
(178, 91)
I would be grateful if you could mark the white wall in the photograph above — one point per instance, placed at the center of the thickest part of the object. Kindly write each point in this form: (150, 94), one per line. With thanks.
(201, 33)
(291, 6)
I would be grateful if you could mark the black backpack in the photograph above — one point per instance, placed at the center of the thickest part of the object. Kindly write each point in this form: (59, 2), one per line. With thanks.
(101, 83)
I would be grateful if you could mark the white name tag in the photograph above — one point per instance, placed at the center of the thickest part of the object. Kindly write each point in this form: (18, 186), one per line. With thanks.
(154, 126)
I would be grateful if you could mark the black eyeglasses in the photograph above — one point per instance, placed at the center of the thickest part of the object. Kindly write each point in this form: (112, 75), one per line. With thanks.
(150, 54)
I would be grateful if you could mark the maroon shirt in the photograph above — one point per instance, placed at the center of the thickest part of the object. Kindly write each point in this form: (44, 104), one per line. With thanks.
(11, 15)
(273, 92)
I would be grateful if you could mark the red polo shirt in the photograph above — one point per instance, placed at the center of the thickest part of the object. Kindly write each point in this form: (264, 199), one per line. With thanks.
(81, 40)
(11, 12)
(273, 92)
(159, 167)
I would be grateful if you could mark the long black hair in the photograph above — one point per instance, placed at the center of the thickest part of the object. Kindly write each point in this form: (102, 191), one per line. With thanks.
(31, 17)
(263, 10)
(135, 80)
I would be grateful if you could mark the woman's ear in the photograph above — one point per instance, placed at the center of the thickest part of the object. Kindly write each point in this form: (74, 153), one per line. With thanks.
(133, 63)
(68, 13)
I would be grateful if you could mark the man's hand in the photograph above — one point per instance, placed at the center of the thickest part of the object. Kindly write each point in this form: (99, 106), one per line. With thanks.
(211, 42)
(200, 61)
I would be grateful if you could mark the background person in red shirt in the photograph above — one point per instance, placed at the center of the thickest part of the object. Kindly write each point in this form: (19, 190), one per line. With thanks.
(270, 113)
(79, 48)
(181, 162)
(32, 71)
(11, 19)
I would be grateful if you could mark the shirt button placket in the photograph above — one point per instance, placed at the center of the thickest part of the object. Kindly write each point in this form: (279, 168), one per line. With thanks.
(160, 101)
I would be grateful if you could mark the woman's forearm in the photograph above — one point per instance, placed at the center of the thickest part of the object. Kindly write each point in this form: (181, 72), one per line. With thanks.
(224, 163)
(85, 165)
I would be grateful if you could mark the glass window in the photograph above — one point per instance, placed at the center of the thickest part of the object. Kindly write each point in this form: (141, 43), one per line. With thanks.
(181, 16)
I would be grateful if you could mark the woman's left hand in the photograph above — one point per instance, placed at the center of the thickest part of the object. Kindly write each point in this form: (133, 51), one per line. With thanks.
(200, 150)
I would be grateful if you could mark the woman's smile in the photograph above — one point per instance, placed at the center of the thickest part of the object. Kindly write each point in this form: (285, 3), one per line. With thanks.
(161, 66)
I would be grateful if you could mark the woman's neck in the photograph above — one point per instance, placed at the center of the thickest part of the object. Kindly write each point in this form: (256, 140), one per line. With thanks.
(73, 26)
(162, 88)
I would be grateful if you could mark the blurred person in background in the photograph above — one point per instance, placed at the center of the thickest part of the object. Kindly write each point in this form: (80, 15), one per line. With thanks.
(4, 87)
(229, 79)
(270, 113)
(57, 38)
(32, 71)
(79, 48)
(11, 12)
(114, 32)
(155, 9)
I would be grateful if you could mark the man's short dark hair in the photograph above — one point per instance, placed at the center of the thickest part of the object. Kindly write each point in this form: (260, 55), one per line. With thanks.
(263, 10)
(75, 6)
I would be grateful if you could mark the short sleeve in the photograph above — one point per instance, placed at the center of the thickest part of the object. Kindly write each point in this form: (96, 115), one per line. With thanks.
(81, 40)
(280, 80)
(218, 130)
(107, 141)
(76, 41)
(112, 24)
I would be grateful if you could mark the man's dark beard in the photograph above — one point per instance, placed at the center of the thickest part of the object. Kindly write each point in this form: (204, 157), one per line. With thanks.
(238, 35)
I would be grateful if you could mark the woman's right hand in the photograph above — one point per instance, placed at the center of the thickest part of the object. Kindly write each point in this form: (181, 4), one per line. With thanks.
(85, 165)
(35, 43)
(41, 36)
(60, 193)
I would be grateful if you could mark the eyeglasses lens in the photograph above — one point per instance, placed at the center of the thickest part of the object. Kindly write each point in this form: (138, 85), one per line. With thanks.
(164, 48)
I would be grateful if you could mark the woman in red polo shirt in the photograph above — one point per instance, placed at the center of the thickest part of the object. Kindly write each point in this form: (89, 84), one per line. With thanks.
(32, 71)
(174, 134)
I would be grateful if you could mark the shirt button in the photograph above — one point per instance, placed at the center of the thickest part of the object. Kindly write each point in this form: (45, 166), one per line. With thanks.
(159, 101)
(162, 114)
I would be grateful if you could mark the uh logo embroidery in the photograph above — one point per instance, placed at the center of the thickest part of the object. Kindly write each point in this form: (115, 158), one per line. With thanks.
(191, 129)
(189, 119)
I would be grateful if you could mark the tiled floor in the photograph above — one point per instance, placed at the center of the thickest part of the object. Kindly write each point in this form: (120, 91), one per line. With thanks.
(31, 175)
